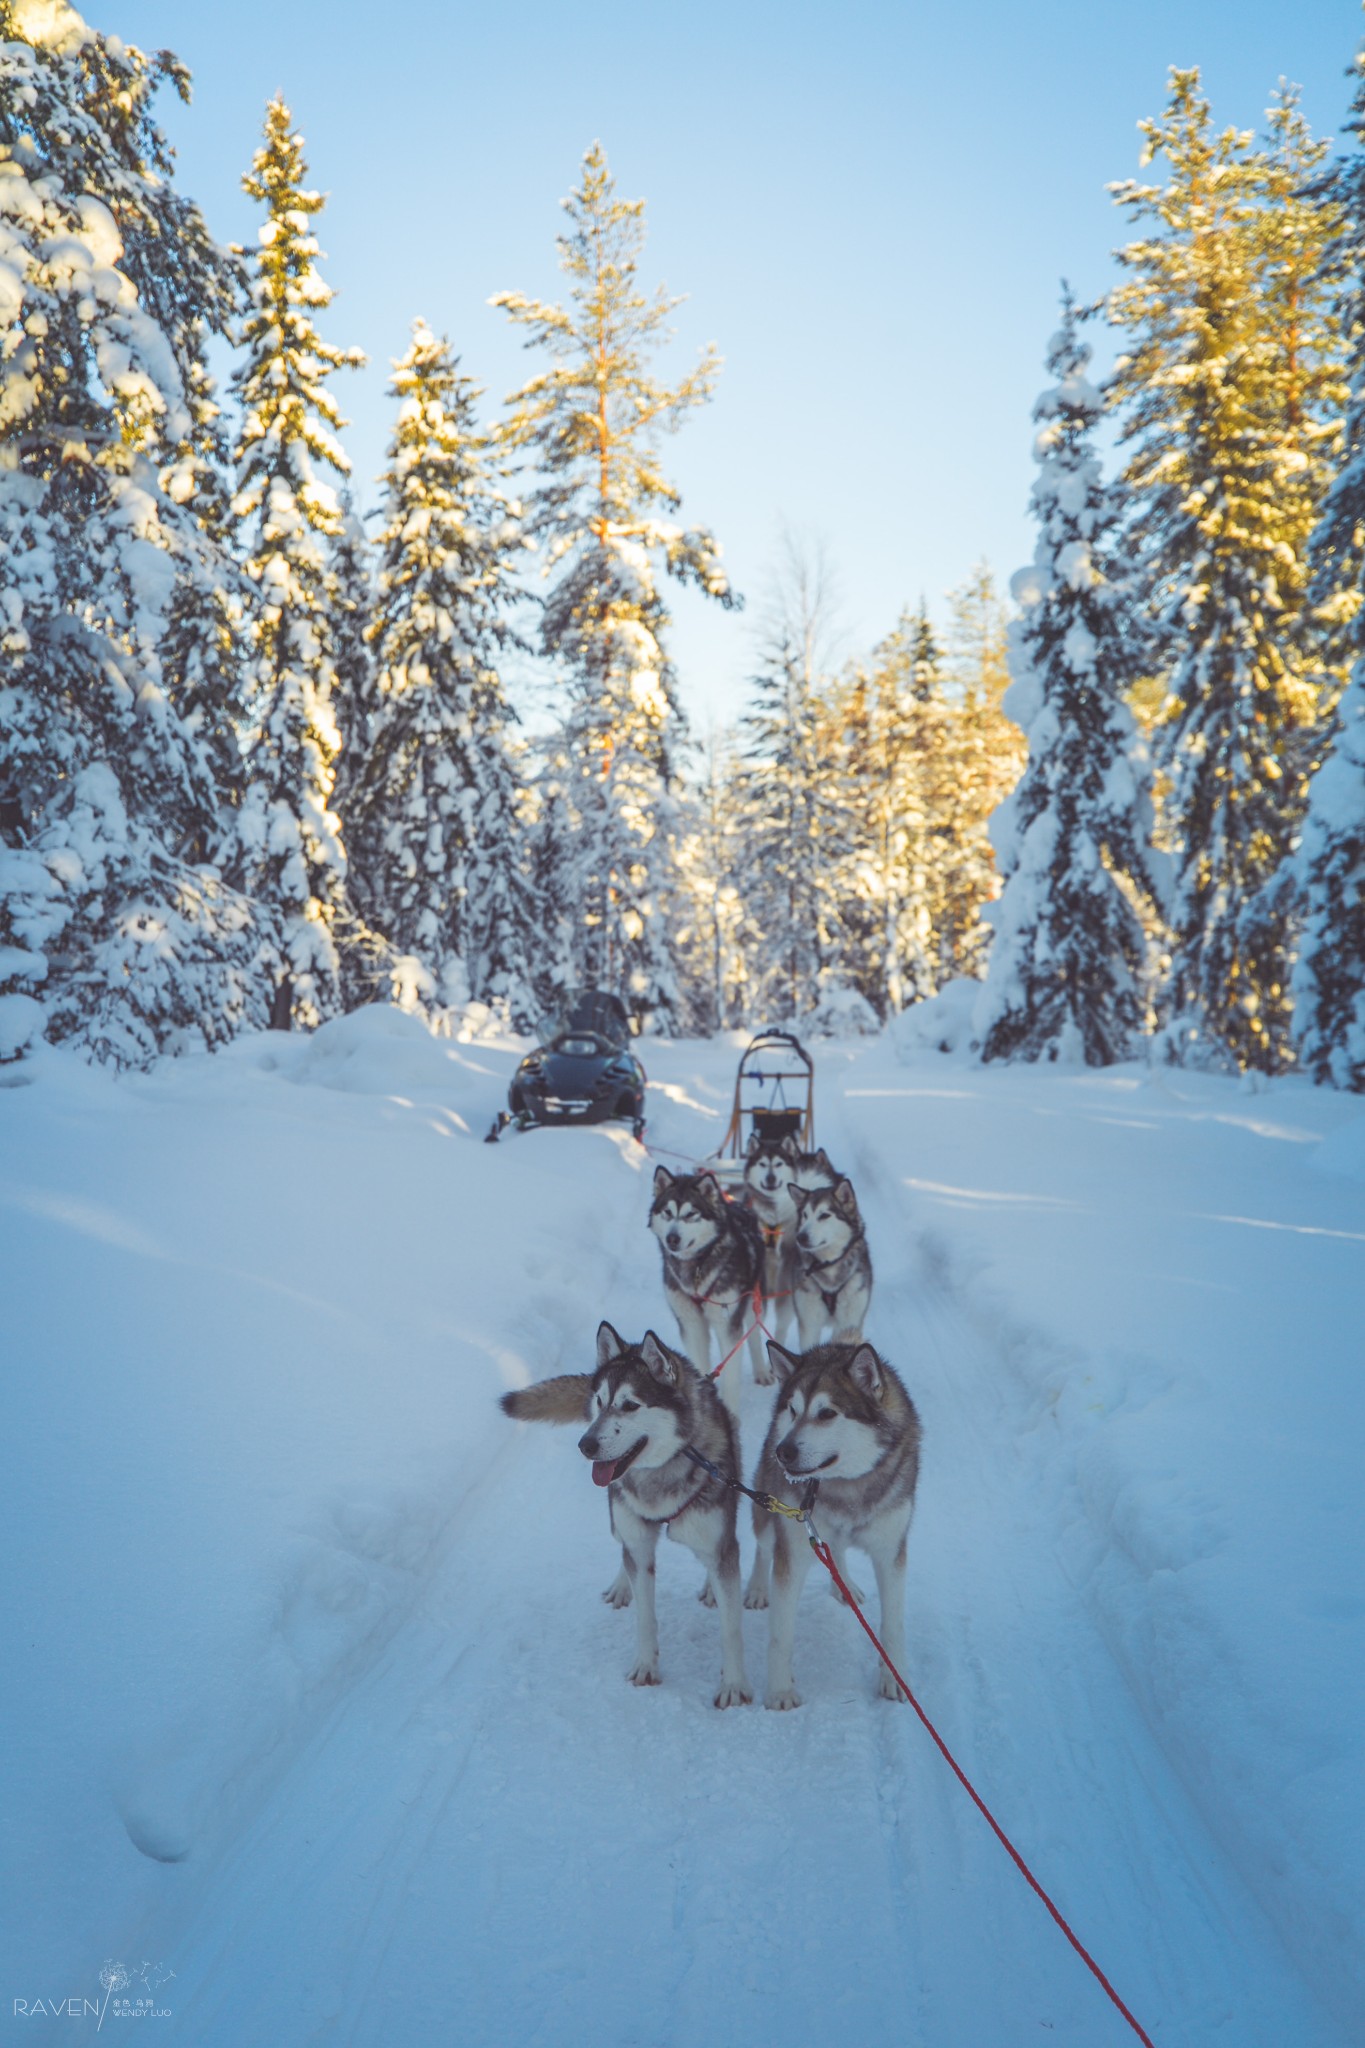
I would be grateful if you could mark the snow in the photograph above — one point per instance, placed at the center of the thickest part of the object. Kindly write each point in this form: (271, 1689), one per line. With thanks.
(318, 1704)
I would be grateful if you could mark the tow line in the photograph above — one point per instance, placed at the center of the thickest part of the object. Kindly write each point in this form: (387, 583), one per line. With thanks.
(805, 1515)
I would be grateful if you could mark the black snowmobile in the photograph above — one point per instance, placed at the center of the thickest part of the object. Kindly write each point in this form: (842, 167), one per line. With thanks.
(582, 1072)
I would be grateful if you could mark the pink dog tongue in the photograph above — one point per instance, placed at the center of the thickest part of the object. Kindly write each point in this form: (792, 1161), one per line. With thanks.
(604, 1471)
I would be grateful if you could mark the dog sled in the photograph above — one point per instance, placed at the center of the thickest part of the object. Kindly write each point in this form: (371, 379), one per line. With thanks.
(774, 1099)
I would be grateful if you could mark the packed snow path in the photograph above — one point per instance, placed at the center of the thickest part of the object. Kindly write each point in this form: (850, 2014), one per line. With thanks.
(456, 1821)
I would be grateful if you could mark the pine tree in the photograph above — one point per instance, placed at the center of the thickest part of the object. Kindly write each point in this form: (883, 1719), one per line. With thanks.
(351, 579)
(893, 729)
(202, 647)
(592, 418)
(436, 832)
(1066, 973)
(109, 283)
(550, 871)
(1329, 867)
(716, 938)
(791, 801)
(985, 757)
(288, 845)
(1226, 391)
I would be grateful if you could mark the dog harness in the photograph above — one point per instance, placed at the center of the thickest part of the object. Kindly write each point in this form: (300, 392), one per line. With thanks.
(810, 1266)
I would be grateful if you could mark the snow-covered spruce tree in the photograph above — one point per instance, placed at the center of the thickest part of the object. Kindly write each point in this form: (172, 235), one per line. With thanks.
(1329, 866)
(1228, 391)
(550, 873)
(715, 935)
(985, 758)
(592, 418)
(109, 282)
(797, 825)
(890, 728)
(351, 576)
(288, 848)
(1067, 973)
(202, 647)
(435, 830)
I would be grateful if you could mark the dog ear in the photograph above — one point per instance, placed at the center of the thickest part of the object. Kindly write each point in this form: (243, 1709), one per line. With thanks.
(609, 1345)
(822, 1158)
(864, 1368)
(844, 1197)
(663, 1180)
(798, 1194)
(789, 1148)
(659, 1360)
(784, 1363)
(754, 1145)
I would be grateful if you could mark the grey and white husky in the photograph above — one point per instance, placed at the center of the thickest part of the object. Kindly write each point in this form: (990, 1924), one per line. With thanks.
(814, 1170)
(842, 1417)
(834, 1286)
(769, 1169)
(712, 1255)
(643, 1405)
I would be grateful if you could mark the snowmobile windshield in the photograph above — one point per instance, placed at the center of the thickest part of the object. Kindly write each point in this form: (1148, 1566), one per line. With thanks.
(588, 1012)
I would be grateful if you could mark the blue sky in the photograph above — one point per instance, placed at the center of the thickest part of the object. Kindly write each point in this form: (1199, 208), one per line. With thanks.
(869, 207)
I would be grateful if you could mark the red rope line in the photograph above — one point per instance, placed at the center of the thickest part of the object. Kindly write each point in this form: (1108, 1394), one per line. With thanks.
(823, 1552)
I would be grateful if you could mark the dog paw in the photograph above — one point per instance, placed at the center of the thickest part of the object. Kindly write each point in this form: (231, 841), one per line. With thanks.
(888, 1689)
(783, 1700)
(755, 1596)
(618, 1593)
(854, 1588)
(764, 1376)
(707, 1595)
(734, 1696)
(645, 1673)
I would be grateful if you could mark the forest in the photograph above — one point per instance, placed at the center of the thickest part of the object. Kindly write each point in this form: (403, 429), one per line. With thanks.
(261, 764)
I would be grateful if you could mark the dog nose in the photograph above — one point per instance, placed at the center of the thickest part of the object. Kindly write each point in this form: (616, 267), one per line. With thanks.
(589, 1446)
(787, 1453)
(673, 1240)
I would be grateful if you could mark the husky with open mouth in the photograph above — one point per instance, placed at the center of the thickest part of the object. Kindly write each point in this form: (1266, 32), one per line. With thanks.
(644, 1405)
(842, 1417)
(713, 1258)
(834, 1287)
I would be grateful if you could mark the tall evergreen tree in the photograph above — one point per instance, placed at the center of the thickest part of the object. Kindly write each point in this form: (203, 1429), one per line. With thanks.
(716, 938)
(892, 740)
(351, 574)
(1226, 391)
(1329, 976)
(592, 418)
(1066, 974)
(985, 756)
(436, 832)
(288, 847)
(550, 870)
(109, 283)
(797, 829)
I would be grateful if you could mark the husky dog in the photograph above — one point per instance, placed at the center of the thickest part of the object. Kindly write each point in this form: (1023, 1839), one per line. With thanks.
(844, 1418)
(769, 1167)
(835, 1283)
(814, 1170)
(713, 1258)
(644, 1405)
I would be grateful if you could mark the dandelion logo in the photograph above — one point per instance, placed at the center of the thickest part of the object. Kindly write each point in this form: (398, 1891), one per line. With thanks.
(113, 1977)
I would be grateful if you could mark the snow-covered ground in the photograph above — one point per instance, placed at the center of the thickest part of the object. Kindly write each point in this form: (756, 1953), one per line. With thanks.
(311, 1699)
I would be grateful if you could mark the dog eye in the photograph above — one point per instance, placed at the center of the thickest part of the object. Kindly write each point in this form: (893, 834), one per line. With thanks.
(825, 1415)
(626, 1407)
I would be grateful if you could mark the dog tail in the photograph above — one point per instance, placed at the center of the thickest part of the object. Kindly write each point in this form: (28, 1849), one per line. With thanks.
(559, 1400)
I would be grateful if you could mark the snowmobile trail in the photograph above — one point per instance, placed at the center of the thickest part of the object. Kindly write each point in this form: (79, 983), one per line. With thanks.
(491, 1837)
